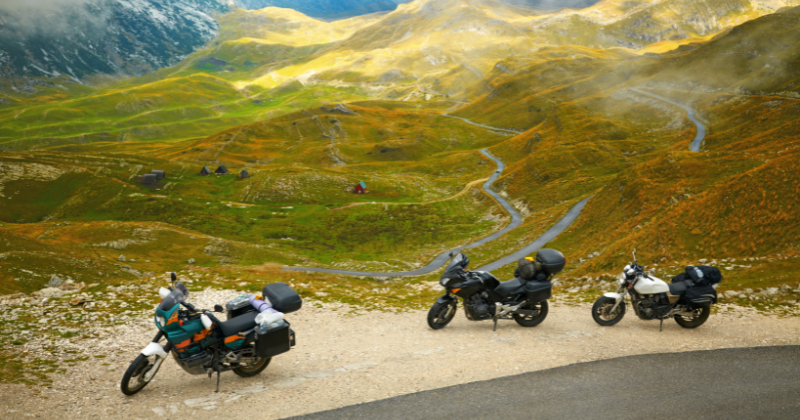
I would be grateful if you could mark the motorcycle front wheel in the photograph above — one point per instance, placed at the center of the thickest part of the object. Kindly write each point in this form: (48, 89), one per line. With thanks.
(542, 309)
(699, 318)
(441, 314)
(601, 311)
(133, 380)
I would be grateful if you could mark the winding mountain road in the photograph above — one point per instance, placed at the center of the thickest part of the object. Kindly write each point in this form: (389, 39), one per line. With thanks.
(690, 113)
(516, 218)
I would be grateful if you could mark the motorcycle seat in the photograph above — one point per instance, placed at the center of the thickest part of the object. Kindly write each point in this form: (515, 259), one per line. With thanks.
(679, 288)
(512, 286)
(239, 324)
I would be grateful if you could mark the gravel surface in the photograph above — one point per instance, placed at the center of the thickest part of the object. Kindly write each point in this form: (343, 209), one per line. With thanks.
(345, 357)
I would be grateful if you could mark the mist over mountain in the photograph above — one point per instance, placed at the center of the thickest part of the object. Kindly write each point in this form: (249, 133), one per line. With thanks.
(79, 38)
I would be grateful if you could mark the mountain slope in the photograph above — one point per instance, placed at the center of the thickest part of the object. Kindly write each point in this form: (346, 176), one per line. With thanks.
(111, 37)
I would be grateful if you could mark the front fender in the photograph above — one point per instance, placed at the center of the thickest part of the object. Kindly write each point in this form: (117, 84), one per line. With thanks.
(447, 299)
(154, 348)
(615, 296)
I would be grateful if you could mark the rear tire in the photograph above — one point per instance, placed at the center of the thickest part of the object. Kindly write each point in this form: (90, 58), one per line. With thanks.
(533, 320)
(253, 370)
(136, 371)
(698, 320)
(601, 311)
(441, 314)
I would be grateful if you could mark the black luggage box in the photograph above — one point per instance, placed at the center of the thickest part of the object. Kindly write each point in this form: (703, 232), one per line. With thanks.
(240, 308)
(274, 342)
(282, 297)
(552, 261)
(538, 291)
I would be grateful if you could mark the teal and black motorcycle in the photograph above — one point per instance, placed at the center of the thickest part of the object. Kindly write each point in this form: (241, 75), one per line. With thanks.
(202, 344)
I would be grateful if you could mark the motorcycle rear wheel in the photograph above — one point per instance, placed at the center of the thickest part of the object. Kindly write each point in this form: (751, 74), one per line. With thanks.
(136, 371)
(601, 311)
(254, 369)
(696, 321)
(441, 314)
(533, 320)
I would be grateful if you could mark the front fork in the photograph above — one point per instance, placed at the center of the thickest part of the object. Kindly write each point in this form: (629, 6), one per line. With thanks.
(154, 348)
(620, 299)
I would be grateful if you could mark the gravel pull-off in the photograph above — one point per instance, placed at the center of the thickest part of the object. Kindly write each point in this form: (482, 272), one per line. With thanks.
(344, 358)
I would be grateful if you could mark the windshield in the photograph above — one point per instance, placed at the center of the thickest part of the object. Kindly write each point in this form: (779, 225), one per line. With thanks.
(178, 294)
(458, 264)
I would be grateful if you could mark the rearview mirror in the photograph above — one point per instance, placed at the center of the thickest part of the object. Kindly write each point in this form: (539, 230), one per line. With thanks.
(217, 308)
(451, 254)
(173, 277)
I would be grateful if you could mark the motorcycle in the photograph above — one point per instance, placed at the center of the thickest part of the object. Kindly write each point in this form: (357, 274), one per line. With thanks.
(202, 344)
(652, 298)
(485, 297)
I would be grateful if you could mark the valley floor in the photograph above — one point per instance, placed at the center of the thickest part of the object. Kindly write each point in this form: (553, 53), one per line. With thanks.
(347, 356)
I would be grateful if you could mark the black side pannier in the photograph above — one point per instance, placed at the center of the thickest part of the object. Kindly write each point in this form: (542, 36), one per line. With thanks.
(539, 291)
(712, 274)
(282, 297)
(552, 261)
(274, 342)
(699, 296)
(527, 269)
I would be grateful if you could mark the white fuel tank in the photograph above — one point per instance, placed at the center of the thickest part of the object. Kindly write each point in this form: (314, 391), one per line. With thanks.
(651, 286)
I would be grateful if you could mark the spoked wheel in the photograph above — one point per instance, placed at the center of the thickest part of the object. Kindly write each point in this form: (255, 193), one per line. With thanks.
(253, 369)
(134, 378)
(441, 314)
(540, 313)
(602, 314)
(700, 315)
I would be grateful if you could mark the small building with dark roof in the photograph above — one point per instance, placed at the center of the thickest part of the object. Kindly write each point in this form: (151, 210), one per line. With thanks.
(149, 179)
(222, 170)
(159, 174)
(244, 174)
(205, 171)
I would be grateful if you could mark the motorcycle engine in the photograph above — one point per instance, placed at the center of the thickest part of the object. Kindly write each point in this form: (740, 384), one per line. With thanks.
(478, 306)
(655, 306)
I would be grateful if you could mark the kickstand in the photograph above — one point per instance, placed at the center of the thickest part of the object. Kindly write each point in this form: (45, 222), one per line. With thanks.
(661, 327)
(495, 324)
(218, 369)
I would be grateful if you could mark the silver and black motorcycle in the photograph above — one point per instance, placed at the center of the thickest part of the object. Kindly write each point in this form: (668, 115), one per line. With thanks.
(687, 300)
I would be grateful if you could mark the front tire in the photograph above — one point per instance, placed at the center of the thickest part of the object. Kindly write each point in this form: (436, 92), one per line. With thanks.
(441, 314)
(701, 315)
(533, 320)
(601, 311)
(133, 380)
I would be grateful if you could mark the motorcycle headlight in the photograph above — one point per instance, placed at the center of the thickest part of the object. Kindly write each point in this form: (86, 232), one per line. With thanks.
(160, 321)
(621, 279)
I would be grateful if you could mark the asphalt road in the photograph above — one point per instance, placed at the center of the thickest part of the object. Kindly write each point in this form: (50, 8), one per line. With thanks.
(441, 259)
(701, 128)
(747, 383)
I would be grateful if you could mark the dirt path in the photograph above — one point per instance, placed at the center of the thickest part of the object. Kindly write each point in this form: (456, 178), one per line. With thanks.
(466, 189)
(343, 359)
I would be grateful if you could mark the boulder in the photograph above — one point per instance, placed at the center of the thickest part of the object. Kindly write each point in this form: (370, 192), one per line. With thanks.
(191, 260)
(48, 292)
(55, 281)
(79, 300)
(122, 258)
